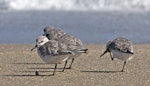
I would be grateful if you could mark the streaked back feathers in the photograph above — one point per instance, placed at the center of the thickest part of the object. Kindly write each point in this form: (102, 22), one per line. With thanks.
(121, 44)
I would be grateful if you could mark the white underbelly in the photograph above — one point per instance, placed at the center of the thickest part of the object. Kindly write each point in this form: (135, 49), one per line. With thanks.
(121, 55)
(54, 59)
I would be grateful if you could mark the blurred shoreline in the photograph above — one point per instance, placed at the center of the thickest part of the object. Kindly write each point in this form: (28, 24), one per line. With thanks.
(23, 27)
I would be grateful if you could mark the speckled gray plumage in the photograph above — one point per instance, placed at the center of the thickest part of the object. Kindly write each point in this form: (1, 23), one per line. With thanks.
(66, 42)
(53, 33)
(49, 52)
(70, 42)
(120, 48)
(121, 44)
(49, 48)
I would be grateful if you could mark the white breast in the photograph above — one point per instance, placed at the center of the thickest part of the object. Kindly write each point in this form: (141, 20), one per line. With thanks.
(55, 59)
(121, 55)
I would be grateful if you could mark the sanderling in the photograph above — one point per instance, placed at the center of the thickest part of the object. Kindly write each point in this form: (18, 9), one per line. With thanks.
(52, 33)
(66, 42)
(49, 52)
(120, 48)
(72, 43)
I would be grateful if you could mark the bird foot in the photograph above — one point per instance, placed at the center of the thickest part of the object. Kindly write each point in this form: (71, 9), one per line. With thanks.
(122, 71)
(36, 73)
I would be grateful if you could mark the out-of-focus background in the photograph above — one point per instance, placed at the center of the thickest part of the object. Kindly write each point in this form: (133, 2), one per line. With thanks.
(93, 21)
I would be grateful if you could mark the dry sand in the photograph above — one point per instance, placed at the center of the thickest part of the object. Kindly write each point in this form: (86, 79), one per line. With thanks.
(18, 66)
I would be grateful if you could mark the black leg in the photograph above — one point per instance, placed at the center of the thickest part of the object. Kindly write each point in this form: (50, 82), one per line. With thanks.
(36, 73)
(54, 69)
(111, 56)
(71, 63)
(123, 66)
(65, 66)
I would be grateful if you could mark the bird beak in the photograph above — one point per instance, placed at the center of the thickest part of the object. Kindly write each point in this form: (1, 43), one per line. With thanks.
(86, 51)
(34, 47)
(104, 53)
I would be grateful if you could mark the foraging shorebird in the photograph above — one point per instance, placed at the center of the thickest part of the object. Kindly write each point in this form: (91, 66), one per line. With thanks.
(66, 42)
(120, 48)
(49, 52)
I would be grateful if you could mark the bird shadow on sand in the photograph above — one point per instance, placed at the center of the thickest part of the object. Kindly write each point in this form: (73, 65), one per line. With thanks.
(25, 75)
(48, 68)
(99, 71)
(21, 75)
(29, 73)
(30, 63)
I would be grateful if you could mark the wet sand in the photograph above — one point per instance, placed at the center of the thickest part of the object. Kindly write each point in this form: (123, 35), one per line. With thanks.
(18, 66)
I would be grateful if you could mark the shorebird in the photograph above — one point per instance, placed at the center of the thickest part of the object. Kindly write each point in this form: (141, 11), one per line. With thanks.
(72, 43)
(49, 52)
(66, 42)
(53, 33)
(120, 48)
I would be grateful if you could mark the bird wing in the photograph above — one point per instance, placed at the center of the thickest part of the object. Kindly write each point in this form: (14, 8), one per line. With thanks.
(71, 42)
(122, 44)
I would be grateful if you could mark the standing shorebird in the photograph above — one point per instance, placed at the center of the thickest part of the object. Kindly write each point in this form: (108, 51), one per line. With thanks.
(53, 33)
(120, 48)
(74, 44)
(66, 42)
(49, 52)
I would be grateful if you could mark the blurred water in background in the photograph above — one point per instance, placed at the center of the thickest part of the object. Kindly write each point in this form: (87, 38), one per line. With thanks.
(74, 5)
(94, 21)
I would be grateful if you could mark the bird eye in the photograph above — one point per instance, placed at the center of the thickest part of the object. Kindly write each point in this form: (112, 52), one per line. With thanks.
(44, 30)
(47, 35)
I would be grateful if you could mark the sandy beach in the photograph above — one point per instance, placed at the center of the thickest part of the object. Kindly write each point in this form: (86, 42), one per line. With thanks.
(18, 65)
